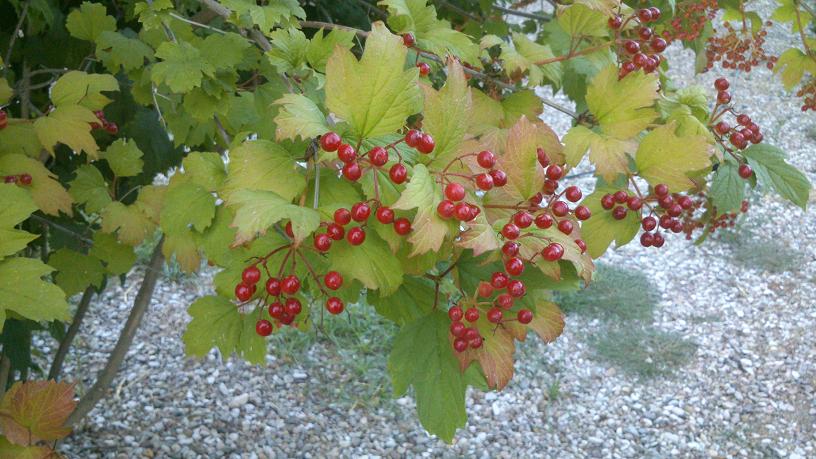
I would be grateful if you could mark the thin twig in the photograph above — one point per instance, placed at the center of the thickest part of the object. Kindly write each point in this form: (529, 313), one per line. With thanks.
(573, 54)
(802, 32)
(64, 229)
(197, 24)
(7, 61)
(523, 14)
(68, 339)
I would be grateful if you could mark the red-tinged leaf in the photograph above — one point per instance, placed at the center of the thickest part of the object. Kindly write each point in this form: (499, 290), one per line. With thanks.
(36, 410)
(495, 356)
(548, 321)
(525, 176)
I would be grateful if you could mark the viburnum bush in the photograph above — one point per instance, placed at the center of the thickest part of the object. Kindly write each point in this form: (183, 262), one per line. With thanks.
(317, 159)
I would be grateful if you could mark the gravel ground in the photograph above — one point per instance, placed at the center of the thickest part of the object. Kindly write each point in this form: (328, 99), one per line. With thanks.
(748, 391)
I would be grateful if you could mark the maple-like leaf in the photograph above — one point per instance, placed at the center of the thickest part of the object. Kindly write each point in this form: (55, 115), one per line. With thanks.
(35, 411)
(665, 157)
(525, 176)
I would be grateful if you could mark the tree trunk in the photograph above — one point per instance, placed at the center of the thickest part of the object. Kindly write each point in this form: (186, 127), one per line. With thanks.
(65, 344)
(140, 304)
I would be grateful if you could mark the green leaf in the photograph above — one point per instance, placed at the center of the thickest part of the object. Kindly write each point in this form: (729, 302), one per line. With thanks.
(609, 155)
(793, 64)
(623, 107)
(413, 300)
(5, 91)
(321, 46)
(70, 125)
(217, 322)
(422, 357)
(423, 193)
(15, 206)
(90, 188)
(118, 258)
(224, 51)
(20, 138)
(89, 21)
(46, 191)
(727, 188)
(578, 20)
(288, 53)
(130, 224)
(76, 271)
(85, 89)
(124, 158)
(447, 114)
(774, 172)
(256, 211)
(371, 263)
(599, 231)
(247, 13)
(205, 169)
(181, 246)
(183, 67)
(664, 157)
(522, 57)
(116, 50)
(186, 206)
(300, 117)
(263, 165)
(525, 176)
(23, 291)
(376, 94)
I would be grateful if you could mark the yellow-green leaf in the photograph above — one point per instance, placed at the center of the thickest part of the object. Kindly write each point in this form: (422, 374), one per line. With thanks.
(124, 158)
(300, 117)
(46, 191)
(623, 107)
(664, 157)
(89, 21)
(85, 89)
(90, 188)
(263, 165)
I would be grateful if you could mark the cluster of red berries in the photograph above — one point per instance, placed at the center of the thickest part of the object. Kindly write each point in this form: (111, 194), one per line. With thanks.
(746, 130)
(284, 309)
(359, 212)
(109, 126)
(453, 206)
(643, 46)
(3, 119)
(690, 19)
(22, 179)
(409, 41)
(377, 156)
(808, 93)
(739, 50)
(722, 221)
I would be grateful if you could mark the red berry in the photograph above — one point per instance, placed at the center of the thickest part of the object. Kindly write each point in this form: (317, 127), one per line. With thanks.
(462, 211)
(523, 219)
(658, 44)
(322, 242)
(524, 316)
(457, 329)
(333, 280)
(661, 189)
(335, 231)
(514, 266)
(499, 280)
(722, 128)
(286, 318)
(544, 221)
(510, 248)
(424, 68)
(516, 288)
(644, 33)
(251, 275)
(721, 84)
(484, 181)
(658, 240)
(566, 226)
(674, 210)
(408, 39)
(473, 212)
(510, 231)
(346, 153)
(581, 245)
(723, 97)
(554, 172)
(455, 313)
(639, 60)
(646, 239)
(243, 292)
(486, 159)
(485, 290)
(655, 13)
(745, 171)
(402, 226)
(494, 315)
(273, 286)
(649, 223)
(378, 156)
(536, 199)
(614, 22)
(385, 215)
(426, 144)
(757, 138)
(553, 252)
(290, 284)
(744, 119)
(472, 314)
(454, 191)
(560, 208)
(445, 209)
(685, 202)
(352, 171)
(634, 203)
(621, 196)
(666, 221)
(413, 137)
(542, 156)
(25, 179)
(499, 177)
(276, 310)
(112, 128)
(334, 305)
(631, 46)
(10, 179)
(549, 186)
(360, 212)
(356, 236)
(573, 193)
(619, 213)
(738, 140)
(263, 327)
(398, 173)
(293, 306)
(582, 213)
(342, 216)
(460, 344)
(330, 141)
(608, 201)
(476, 342)
(645, 15)
(505, 301)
